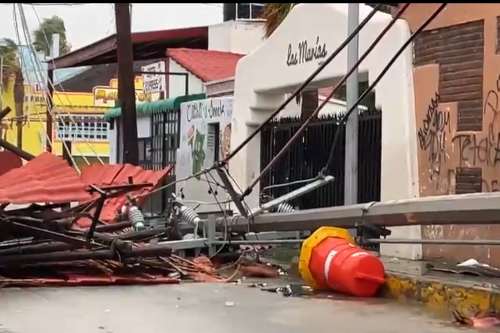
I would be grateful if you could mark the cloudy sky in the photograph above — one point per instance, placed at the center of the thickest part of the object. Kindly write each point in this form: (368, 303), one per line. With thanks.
(86, 23)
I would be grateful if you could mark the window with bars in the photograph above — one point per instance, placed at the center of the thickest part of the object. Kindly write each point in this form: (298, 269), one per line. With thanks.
(82, 128)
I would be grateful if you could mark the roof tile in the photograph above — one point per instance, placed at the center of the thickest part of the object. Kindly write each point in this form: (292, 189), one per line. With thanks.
(208, 65)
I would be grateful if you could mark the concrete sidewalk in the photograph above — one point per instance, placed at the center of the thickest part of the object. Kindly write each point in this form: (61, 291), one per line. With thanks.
(202, 308)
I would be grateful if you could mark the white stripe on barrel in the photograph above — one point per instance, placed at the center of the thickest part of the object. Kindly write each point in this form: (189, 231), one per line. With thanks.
(328, 262)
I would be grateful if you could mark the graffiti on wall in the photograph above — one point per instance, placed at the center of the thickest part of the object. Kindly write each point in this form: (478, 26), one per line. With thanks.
(476, 149)
(446, 150)
(432, 136)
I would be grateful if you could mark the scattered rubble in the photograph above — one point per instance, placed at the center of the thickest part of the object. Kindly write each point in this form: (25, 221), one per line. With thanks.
(480, 320)
(89, 230)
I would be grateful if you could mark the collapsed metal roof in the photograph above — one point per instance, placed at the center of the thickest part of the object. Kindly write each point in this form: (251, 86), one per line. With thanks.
(47, 178)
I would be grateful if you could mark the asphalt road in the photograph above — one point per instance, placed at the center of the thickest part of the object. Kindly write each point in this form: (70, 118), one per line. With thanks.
(201, 308)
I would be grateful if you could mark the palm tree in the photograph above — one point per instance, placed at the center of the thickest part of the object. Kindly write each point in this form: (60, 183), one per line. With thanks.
(274, 14)
(8, 51)
(43, 35)
(12, 67)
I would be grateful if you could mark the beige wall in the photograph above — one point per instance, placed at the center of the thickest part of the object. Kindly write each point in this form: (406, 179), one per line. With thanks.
(441, 147)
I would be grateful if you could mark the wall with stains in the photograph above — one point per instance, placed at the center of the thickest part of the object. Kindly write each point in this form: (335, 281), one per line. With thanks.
(457, 109)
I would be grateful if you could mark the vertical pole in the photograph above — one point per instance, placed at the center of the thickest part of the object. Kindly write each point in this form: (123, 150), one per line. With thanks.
(55, 45)
(351, 139)
(1, 82)
(50, 76)
(126, 89)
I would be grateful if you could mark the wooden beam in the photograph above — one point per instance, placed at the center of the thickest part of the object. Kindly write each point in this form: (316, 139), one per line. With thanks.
(19, 152)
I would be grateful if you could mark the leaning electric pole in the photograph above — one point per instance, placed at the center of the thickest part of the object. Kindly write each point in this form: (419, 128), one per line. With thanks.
(126, 88)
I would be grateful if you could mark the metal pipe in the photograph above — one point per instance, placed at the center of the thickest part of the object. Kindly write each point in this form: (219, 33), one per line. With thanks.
(105, 254)
(294, 194)
(37, 248)
(478, 208)
(351, 129)
(259, 241)
(433, 241)
(113, 227)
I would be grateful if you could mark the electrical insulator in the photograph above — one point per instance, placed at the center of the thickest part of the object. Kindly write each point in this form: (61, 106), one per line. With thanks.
(285, 207)
(136, 217)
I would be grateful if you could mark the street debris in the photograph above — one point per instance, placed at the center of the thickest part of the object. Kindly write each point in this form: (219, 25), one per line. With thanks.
(470, 266)
(60, 228)
(480, 320)
(295, 290)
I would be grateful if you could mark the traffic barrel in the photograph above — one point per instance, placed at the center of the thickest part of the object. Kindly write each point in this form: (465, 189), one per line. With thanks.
(330, 260)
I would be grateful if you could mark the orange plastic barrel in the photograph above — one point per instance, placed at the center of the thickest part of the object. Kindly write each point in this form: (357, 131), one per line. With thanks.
(334, 262)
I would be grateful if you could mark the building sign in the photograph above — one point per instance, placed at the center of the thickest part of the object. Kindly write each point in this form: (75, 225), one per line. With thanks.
(304, 51)
(204, 138)
(108, 95)
(154, 85)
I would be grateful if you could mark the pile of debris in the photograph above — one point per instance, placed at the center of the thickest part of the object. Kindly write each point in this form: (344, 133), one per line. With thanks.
(61, 228)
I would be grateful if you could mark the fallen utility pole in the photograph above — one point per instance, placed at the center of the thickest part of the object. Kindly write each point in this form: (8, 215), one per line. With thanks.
(477, 208)
(126, 88)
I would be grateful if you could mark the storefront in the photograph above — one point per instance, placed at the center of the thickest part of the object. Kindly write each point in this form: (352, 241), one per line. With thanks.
(205, 134)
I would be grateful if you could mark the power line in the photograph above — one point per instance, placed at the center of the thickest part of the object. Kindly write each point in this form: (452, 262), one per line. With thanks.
(37, 69)
(69, 115)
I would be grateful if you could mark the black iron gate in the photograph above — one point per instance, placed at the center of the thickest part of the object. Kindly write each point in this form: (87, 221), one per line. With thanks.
(159, 151)
(309, 154)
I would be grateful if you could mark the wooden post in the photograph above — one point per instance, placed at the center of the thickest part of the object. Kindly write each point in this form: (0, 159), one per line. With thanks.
(126, 88)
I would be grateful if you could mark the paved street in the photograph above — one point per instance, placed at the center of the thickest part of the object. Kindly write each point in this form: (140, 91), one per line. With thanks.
(201, 308)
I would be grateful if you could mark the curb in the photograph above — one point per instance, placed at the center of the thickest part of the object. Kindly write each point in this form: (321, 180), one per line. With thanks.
(441, 295)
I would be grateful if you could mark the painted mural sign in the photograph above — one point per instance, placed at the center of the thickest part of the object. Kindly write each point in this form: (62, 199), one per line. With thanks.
(108, 95)
(305, 51)
(204, 138)
(154, 85)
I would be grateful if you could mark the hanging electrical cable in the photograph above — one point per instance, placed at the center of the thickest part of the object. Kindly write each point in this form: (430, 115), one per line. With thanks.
(374, 83)
(325, 101)
(21, 58)
(304, 84)
(38, 70)
(290, 98)
(69, 115)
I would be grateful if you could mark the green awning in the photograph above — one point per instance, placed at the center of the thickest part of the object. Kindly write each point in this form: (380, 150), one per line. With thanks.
(164, 105)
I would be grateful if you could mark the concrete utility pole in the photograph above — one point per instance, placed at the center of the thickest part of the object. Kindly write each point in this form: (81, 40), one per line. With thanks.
(126, 88)
(351, 135)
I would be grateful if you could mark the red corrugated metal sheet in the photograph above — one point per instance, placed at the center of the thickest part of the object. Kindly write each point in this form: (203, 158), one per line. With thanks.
(87, 280)
(208, 65)
(9, 161)
(46, 178)
(101, 175)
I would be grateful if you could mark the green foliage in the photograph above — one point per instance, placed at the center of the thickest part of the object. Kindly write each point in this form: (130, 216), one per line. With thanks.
(8, 51)
(274, 14)
(43, 35)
